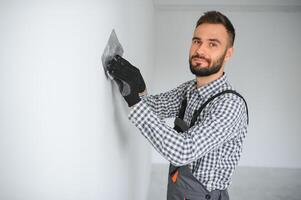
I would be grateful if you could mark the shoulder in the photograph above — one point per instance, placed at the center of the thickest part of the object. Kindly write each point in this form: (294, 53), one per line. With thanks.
(229, 94)
(231, 103)
(188, 85)
(229, 97)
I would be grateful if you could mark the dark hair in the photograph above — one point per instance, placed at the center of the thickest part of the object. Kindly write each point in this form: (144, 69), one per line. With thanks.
(215, 17)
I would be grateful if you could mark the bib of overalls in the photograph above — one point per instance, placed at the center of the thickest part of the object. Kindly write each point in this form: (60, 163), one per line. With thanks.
(182, 185)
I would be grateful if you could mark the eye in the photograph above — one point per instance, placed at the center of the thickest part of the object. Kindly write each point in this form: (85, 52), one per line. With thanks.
(195, 41)
(212, 44)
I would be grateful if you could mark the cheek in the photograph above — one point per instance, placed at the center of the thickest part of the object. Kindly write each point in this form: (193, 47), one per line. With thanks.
(214, 58)
(217, 53)
(192, 51)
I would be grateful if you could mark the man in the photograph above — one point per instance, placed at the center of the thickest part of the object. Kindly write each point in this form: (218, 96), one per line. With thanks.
(211, 118)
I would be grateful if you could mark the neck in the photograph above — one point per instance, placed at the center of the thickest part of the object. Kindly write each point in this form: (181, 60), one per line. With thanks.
(204, 80)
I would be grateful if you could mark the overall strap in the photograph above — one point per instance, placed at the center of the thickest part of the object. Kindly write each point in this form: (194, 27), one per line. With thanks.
(198, 112)
(179, 124)
(183, 108)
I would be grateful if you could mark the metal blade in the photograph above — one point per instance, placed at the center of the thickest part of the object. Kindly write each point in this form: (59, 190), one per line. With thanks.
(112, 48)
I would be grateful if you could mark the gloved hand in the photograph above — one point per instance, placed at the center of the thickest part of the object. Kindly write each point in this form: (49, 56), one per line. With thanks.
(128, 79)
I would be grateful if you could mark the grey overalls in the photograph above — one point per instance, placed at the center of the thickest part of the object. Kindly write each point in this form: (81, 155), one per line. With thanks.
(182, 185)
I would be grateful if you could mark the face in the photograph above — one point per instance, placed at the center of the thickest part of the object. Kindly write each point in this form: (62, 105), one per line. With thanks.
(210, 49)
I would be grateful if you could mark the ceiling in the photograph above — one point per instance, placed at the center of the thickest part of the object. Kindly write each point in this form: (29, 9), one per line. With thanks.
(233, 5)
(229, 2)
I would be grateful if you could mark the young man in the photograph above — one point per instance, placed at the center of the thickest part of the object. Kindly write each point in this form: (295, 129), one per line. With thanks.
(211, 118)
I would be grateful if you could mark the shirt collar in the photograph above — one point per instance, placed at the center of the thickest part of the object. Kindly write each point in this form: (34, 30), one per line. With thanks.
(212, 87)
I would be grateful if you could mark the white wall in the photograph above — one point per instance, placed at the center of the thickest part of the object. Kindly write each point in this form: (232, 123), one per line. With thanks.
(64, 132)
(265, 69)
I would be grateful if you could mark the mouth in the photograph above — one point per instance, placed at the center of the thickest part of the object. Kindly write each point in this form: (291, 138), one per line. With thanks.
(200, 61)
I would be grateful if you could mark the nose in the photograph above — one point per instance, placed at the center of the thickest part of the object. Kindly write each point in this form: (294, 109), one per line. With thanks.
(201, 50)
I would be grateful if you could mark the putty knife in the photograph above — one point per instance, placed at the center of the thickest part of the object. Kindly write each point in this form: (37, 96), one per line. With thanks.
(112, 49)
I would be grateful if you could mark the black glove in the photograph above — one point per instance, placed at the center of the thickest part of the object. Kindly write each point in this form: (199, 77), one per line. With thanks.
(128, 79)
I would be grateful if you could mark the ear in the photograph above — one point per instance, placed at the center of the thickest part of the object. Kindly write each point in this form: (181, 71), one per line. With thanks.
(229, 53)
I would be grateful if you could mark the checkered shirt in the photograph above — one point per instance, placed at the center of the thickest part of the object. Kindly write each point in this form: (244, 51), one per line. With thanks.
(212, 147)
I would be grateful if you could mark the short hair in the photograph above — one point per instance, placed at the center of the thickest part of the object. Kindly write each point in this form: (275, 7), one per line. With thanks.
(215, 17)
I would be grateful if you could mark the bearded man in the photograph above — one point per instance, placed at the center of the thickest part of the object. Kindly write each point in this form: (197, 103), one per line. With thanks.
(211, 118)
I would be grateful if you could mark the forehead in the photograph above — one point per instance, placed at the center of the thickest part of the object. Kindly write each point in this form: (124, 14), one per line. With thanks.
(211, 31)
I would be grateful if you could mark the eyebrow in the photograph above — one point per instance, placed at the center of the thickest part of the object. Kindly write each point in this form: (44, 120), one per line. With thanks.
(211, 39)
(214, 40)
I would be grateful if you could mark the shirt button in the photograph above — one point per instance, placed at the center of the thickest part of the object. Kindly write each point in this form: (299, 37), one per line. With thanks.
(207, 196)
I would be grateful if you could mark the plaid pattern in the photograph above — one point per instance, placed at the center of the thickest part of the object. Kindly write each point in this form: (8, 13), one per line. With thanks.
(213, 146)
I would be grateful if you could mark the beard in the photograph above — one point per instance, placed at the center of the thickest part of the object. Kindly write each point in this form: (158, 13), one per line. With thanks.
(213, 66)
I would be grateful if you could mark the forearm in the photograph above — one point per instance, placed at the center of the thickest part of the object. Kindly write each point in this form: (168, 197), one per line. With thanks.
(154, 130)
